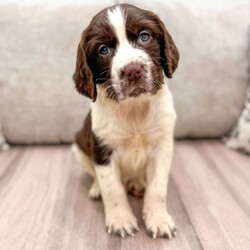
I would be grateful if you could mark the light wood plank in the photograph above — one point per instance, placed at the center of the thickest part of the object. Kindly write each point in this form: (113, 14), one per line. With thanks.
(232, 173)
(44, 201)
(186, 239)
(9, 159)
(217, 218)
(45, 206)
(26, 204)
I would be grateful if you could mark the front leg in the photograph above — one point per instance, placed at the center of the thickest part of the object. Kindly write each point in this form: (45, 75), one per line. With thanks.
(119, 217)
(157, 220)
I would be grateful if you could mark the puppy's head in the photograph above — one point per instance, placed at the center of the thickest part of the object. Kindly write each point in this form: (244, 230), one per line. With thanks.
(124, 50)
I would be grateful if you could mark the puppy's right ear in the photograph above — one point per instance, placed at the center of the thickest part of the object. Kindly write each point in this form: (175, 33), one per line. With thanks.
(83, 77)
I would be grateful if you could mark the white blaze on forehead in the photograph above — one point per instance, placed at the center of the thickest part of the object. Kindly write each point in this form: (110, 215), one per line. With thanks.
(116, 19)
(125, 52)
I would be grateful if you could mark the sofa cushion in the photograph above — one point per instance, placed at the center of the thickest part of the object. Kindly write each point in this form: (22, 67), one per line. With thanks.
(38, 101)
(240, 136)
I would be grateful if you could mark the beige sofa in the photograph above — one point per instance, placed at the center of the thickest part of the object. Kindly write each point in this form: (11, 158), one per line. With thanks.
(38, 101)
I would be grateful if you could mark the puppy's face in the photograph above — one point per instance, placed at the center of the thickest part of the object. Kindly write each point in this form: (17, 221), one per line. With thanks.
(124, 50)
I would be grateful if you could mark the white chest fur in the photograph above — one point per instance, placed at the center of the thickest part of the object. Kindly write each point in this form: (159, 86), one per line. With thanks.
(133, 128)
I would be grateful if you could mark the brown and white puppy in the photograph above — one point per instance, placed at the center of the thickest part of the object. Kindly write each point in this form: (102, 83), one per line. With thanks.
(126, 143)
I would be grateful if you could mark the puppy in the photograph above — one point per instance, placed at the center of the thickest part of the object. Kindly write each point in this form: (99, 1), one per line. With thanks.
(126, 143)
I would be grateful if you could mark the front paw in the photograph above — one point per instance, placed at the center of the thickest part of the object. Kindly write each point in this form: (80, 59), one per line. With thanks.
(121, 223)
(159, 224)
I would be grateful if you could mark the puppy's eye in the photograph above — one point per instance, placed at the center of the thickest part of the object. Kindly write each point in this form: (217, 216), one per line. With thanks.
(104, 50)
(144, 36)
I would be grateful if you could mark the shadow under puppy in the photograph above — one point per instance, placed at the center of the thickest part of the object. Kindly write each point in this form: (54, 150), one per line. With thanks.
(126, 143)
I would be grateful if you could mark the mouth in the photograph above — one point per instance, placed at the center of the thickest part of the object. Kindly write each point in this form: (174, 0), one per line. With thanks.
(137, 92)
(120, 91)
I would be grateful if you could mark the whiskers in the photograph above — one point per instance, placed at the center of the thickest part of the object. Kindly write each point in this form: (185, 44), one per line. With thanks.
(101, 78)
(119, 91)
(155, 84)
(107, 69)
(111, 91)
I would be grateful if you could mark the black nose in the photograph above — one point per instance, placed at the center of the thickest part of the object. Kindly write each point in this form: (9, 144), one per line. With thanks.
(133, 72)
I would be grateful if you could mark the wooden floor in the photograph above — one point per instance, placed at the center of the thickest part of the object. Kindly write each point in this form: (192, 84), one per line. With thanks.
(44, 203)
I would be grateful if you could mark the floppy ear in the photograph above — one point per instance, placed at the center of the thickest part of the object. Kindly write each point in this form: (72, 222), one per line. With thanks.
(83, 77)
(169, 52)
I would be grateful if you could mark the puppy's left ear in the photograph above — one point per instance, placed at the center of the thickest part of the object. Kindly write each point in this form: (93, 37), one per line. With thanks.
(83, 76)
(169, 51)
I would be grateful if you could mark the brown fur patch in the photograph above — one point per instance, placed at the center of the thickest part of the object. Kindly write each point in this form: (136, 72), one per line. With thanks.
(92, 145)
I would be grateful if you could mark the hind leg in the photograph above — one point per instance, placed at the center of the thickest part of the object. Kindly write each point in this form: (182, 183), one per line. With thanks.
(136, 187)
(87, 163)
